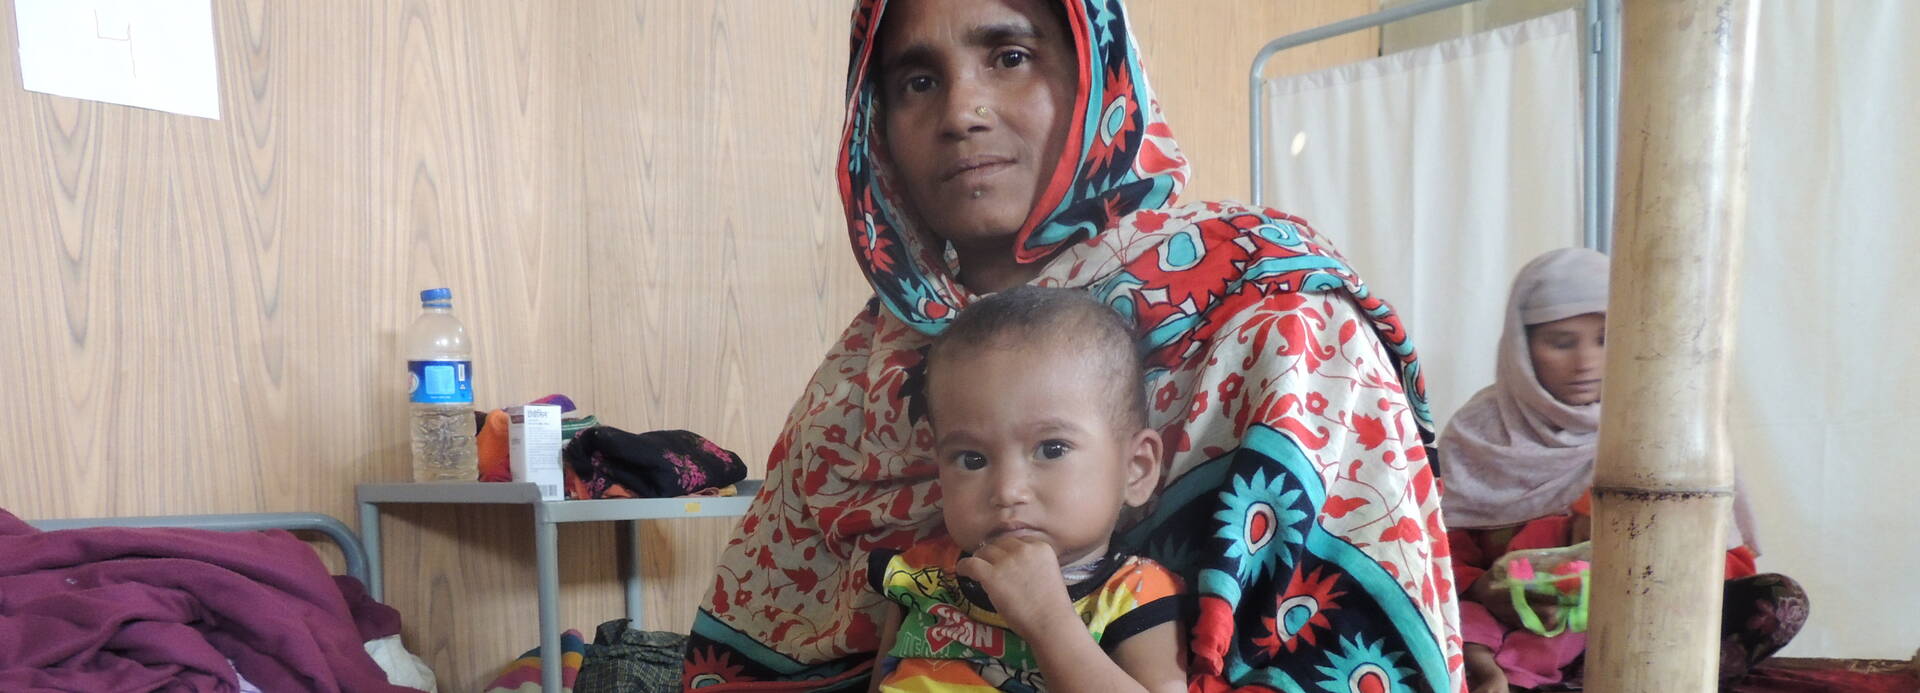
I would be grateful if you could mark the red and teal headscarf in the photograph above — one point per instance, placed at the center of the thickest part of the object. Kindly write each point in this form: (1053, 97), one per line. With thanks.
(1120, 158)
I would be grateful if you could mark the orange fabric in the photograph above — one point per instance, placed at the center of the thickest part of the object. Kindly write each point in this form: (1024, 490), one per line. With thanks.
(1741, 563)
(491, 445)
(1584, 504)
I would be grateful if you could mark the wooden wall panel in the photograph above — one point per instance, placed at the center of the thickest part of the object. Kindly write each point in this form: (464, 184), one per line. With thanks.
(715, 229)
(474, 110)
(631, 199)
(208, 312)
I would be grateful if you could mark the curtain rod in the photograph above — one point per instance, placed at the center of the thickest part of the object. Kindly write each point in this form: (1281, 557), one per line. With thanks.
(1602, 102)
(1302, 38)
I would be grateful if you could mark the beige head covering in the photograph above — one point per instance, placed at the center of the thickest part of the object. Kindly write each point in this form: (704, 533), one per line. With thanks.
(1514, 453)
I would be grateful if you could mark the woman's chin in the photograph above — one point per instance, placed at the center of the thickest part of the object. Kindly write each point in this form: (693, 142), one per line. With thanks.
(978, 229)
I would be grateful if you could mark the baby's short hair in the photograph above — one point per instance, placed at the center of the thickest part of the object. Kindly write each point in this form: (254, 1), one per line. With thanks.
(1029, 315)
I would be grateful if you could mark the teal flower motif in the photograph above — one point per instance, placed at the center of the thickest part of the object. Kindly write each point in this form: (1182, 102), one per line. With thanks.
(1362, 668)
(1259, 521)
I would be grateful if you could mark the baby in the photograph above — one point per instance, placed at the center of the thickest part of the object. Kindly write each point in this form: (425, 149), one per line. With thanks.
(1039, 417)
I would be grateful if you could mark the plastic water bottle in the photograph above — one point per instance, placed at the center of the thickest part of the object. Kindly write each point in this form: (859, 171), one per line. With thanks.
(440, 359)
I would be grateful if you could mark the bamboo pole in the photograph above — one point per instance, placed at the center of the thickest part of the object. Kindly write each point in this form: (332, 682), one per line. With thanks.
(1663, 484)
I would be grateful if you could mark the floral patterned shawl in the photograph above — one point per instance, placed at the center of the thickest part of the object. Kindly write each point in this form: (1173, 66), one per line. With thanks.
(1299, 505)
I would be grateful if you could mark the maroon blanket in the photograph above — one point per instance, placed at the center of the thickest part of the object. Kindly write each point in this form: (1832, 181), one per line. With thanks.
(116, 609)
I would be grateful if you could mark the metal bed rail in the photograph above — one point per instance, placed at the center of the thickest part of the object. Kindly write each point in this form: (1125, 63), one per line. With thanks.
(335, 530)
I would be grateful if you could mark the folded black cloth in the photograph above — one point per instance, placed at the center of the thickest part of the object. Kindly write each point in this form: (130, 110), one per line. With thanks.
(655, 464)
(624, 659)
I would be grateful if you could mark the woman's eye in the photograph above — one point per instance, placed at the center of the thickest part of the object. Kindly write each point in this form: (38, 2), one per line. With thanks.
(918, 84)
(1014, 58)
(970, 461)
(1053, 449)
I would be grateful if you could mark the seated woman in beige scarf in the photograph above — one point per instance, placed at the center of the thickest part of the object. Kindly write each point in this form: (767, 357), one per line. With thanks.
(1518, 459)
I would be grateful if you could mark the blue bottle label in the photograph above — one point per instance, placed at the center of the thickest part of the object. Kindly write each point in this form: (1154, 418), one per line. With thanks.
(442, 382)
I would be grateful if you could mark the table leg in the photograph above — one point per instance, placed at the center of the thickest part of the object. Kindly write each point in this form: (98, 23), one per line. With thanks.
(546, 556)
(370, 538)
(629, 538)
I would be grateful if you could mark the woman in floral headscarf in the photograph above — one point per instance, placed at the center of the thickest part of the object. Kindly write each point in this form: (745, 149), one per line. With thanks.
(991, 143)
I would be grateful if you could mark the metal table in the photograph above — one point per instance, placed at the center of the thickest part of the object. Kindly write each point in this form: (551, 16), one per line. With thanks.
(546, 515)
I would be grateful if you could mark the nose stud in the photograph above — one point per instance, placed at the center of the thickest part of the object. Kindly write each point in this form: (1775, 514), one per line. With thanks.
(981, 111)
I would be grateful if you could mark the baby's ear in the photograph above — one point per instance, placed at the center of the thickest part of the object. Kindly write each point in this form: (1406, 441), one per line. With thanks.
(1143, 467)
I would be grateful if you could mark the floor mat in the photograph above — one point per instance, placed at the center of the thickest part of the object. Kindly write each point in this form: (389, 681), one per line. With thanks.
(1831, 676)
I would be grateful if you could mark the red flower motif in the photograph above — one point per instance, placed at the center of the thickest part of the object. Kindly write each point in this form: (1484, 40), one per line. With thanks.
(1406, 530)
(1230, 388)
(1164, 398)
(1308, 593)
(1437, 536)
(1150, 221)
(1100, 156)
(1338, 506)
(708, 667)
(875, 247)
(1423, 484)
(1371, 431)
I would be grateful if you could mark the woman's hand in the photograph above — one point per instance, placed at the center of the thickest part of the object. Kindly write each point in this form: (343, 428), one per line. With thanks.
(1491, 594)
(1022, 577)
(1483, 673)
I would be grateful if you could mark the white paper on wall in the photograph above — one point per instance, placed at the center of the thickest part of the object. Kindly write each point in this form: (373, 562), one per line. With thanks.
(155, 54)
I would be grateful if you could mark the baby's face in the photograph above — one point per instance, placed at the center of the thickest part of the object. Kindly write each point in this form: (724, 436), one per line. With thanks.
(1027, 444)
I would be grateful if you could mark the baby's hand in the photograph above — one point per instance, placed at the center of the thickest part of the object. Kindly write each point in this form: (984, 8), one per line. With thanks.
(1022, 577)
(1483, 673)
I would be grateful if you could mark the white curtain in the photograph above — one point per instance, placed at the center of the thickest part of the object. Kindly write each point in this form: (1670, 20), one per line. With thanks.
(1439, 172)
(1826, 389)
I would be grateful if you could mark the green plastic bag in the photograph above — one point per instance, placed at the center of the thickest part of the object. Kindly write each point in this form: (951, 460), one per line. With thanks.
(1563, 573)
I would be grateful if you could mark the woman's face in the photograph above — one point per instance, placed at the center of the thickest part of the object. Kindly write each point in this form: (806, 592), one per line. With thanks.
(1570, 357)
(977, 95)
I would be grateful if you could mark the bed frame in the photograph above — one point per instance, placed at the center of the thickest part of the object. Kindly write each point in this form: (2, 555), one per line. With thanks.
(343, 537)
